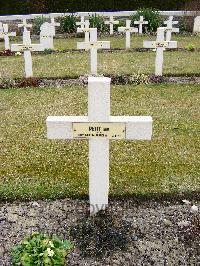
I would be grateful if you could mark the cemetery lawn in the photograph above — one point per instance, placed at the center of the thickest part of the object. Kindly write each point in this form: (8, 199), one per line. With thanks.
(74, 64)
(33, 167)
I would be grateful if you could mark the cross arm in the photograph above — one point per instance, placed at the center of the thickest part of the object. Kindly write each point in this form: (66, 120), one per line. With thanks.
(157, 44)
(96, 45)
(27, 47)
(137, 127)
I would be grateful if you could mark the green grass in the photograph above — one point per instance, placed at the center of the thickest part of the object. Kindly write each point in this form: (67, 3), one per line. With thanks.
(34, 167)
(118, 41)
(76, 64)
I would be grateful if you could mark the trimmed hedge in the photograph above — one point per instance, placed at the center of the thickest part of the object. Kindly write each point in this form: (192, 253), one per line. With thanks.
(10, 7)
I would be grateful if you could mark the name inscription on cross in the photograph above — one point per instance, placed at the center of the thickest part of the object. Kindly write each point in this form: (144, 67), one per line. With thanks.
(128, 29)
(24, 25)
(169, 28)
(160, 44)
(26, 48)
(86, 30)
(99, 128)
(141, 22)
(4, 34)
(93, 45)
(111, 22)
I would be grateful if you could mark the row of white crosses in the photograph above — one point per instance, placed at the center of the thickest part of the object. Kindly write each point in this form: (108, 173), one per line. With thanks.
(99, 127)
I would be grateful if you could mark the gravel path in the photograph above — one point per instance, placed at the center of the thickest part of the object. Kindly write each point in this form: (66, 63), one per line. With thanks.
(128, 233)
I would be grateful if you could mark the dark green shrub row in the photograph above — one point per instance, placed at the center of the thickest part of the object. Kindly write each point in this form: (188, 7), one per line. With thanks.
(9, 7)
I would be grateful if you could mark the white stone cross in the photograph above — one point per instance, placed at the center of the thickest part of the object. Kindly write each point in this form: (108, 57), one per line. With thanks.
(99, 127)
(140, 23)
(5, 35)
(160, 44)
(169, 28)
(196, 27)
(25, 25)
(81, 23)
(93, 45)
(54, 24)
(26, 48)
(1, 27)
(86, 30)
(47, 32)
(111, 22)
(128, 29)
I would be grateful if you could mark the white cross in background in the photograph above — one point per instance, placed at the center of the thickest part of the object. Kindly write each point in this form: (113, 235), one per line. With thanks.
(128, 29)
(140, 23)
(54, 24)
(1, 27)
(25, 25)
(99, 127)
(86, 30)
(169, 28)
(26, 48)
(160, 44)
(111, 22)
(81, 23)
(5, 35)
(47, 31)
(93, 45)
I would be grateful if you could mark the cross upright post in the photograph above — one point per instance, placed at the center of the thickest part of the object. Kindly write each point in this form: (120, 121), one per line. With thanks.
(24, 25)
(99, 127)
(169, 28)
(160, 44)
(128, 29)
(111, 22)
(81, 23)
(4, 34)
(54, 25)
(93, 45)
(86, 30)
(141, 22)
(26, 48)
(1, 27)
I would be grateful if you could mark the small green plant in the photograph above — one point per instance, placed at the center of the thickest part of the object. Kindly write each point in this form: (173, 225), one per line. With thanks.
(38, 23)
(68, 24)
(151, 15)
(40, 250)
(97, 21)
(190, 47)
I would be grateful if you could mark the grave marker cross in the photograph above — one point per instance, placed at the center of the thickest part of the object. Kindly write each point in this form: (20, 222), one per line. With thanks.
(5, 35)
(169, 28)
(26, 48)
(47, 31)
(86, 30)
(81, 23)
(93, 45)
(140, 23)
(54, 25)
(25, 25)
(128, 29)
(111, 22)
(160, 44)
(99, 127)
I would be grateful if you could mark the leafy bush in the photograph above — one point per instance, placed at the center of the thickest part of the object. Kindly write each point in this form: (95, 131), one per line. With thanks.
(150, 15)
(41, 250)
(68, 24)
(97, 21)
(38, 23)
